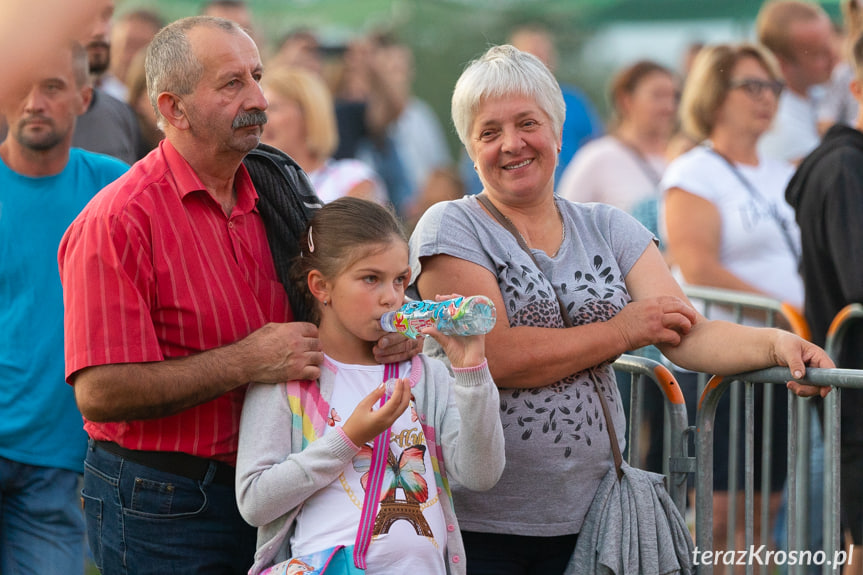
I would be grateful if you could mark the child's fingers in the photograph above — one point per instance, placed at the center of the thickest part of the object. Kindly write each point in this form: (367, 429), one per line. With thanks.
(398, 400)
(430, 330)
(371, 400)
(401, 388)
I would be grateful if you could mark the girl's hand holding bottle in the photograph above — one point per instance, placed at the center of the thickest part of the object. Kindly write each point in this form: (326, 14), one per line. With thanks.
(462, 350)
(368, 421)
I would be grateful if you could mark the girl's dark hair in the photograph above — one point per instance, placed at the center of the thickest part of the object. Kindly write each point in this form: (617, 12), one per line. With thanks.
(339, 234)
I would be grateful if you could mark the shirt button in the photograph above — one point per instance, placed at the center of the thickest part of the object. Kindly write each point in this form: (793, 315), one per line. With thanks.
(440, 489)
(450, 528)
(231, 225)
(456, 559)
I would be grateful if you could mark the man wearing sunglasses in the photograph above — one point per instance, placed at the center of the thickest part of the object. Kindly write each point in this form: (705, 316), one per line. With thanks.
(800, 35)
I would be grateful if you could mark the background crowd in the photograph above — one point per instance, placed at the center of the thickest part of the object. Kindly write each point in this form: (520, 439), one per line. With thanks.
(700, 157)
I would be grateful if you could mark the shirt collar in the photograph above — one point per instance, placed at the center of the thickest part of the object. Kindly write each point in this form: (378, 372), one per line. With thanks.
(188, 181)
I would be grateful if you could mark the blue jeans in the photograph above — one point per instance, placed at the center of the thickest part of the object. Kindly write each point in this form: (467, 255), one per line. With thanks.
(41, 525)
(143, 521)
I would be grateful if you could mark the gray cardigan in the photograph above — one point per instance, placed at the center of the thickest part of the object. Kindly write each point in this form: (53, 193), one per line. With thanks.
(278, 467)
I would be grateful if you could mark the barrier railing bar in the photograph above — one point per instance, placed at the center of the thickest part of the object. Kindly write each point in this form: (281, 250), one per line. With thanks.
(801, 469)
(766, 463)
(738, 305)
(675, 416)
(704, 444)
(833, 435)
(731, 297)
(749, 474)
(708, 402)
(822, 377)
(793, 501)
(832, 483)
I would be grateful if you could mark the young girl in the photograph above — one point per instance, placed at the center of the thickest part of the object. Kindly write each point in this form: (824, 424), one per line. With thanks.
(305, 447)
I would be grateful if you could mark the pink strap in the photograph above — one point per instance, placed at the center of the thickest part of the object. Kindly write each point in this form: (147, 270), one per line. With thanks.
(380, 450)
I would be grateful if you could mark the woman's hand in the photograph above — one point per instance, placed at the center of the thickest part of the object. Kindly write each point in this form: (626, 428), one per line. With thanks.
(462, 350)
(654, 320)
(796, 353)
(366, 422)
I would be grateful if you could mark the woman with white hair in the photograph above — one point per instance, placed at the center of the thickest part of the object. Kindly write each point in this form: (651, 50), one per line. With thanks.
(612, 283)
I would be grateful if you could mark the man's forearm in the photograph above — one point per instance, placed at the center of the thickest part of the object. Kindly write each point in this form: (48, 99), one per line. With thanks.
(123, 392)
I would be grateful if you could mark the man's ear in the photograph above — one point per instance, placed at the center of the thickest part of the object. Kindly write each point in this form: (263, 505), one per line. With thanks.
(319, 286)
(173, 110)
(86, 98)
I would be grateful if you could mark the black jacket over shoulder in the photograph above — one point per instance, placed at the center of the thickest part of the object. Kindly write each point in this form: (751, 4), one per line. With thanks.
(286, 202)
(827, 196)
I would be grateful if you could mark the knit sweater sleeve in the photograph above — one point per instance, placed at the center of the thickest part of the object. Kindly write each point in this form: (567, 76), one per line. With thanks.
(468, 424)
(274, 477)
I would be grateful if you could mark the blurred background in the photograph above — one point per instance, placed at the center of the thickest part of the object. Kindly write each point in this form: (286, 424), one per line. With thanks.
(594, 38)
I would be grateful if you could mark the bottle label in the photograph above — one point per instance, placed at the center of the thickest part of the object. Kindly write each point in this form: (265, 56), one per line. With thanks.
(416, 315)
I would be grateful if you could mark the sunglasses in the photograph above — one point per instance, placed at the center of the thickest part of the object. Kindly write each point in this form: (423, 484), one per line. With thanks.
(755, 87)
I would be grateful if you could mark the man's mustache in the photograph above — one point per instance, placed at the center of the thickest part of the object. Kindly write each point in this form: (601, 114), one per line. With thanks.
(99, 44)
(35, 118)
(245, 119)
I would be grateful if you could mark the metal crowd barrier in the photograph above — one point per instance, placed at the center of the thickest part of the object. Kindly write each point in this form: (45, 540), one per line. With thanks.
(798, 442)
(836, 334)
(735, 306)
(677, 462)
(797, 521)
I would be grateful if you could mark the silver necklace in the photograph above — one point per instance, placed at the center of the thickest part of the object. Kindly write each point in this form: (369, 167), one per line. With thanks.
(562, 229)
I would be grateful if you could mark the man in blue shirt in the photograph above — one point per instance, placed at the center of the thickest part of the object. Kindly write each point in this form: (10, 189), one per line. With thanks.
(44, 183)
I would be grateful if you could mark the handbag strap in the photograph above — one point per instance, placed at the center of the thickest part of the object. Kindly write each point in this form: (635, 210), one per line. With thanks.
(508, 226)
(567, 322)
(371, 500)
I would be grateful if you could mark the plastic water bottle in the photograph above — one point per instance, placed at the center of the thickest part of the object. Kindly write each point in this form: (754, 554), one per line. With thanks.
(471, 315)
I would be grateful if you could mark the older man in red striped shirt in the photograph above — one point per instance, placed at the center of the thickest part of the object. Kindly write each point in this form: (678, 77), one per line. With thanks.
(172, 306)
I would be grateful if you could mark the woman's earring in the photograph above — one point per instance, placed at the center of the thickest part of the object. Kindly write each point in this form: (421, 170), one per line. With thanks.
(326, 302)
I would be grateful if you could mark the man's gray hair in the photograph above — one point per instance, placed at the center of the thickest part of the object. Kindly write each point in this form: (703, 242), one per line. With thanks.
(171, 64)
(505, 71)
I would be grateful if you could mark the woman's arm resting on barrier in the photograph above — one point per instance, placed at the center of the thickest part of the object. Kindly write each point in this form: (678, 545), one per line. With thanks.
(724, 348)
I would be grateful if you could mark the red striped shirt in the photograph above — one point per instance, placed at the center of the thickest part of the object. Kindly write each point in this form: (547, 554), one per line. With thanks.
(153, 269)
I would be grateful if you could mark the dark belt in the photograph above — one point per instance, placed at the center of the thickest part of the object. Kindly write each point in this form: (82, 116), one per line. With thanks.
(183, 464)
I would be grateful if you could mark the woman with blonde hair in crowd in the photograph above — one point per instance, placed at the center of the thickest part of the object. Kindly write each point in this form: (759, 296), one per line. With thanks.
(302, 123)
(727, 224)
